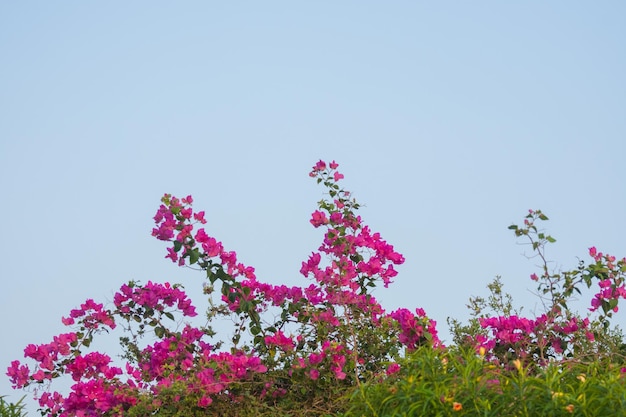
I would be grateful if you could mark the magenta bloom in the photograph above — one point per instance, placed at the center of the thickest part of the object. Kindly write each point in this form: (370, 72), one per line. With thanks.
(318, 218)
(393, 368)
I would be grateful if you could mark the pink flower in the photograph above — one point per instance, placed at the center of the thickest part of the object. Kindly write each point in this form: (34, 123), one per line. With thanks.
(315, 358)
(337, 176)
(201, 236)
(393, 368)
(204, 402)
(339, 374)
(318, 218)
(171, 254)
(199, 217)
(186, 213)
(212, 247)
(280, 340)
(68, 321)
(320, 165)
(18, 374)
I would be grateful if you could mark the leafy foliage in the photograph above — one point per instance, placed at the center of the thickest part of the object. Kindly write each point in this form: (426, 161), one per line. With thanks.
(457, 382)
(8, 409)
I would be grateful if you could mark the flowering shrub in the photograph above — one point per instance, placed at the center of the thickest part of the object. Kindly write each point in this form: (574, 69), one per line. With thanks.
(328, 347)
(296, 349)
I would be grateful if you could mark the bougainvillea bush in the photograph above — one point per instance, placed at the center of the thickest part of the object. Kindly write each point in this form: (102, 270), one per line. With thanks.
(324, 348)
(295, 349)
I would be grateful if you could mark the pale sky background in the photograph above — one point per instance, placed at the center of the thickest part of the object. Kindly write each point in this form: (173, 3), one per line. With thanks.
(449, 121)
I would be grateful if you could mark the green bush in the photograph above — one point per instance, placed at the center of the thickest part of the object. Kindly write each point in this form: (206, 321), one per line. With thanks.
(454, 382)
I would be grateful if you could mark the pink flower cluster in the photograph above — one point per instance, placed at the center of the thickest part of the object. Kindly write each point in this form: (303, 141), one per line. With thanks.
(611, 281)
(332, 356)
(96, 384)
(152, 296)
(46, 356)
(186, 360)
(92, 316)
(538, 339)
(172, 218)
(415, 329)
(180, 358)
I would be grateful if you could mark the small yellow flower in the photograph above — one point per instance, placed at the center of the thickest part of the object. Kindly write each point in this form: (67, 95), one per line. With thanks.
(518, 364)
(556, 395)
(458, 406)
(482, 351)
(569, 408)
(581, 377)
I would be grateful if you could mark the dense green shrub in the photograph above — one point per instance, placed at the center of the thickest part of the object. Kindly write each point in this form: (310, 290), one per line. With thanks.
(454, 382)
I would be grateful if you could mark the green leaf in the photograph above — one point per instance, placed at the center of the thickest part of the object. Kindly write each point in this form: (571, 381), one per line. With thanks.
(159, 332)
(550, 239)
(177, 245)
(169, 315)
(194, 256)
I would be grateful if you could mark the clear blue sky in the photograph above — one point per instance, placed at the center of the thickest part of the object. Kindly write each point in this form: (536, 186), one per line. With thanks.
(449, 120)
